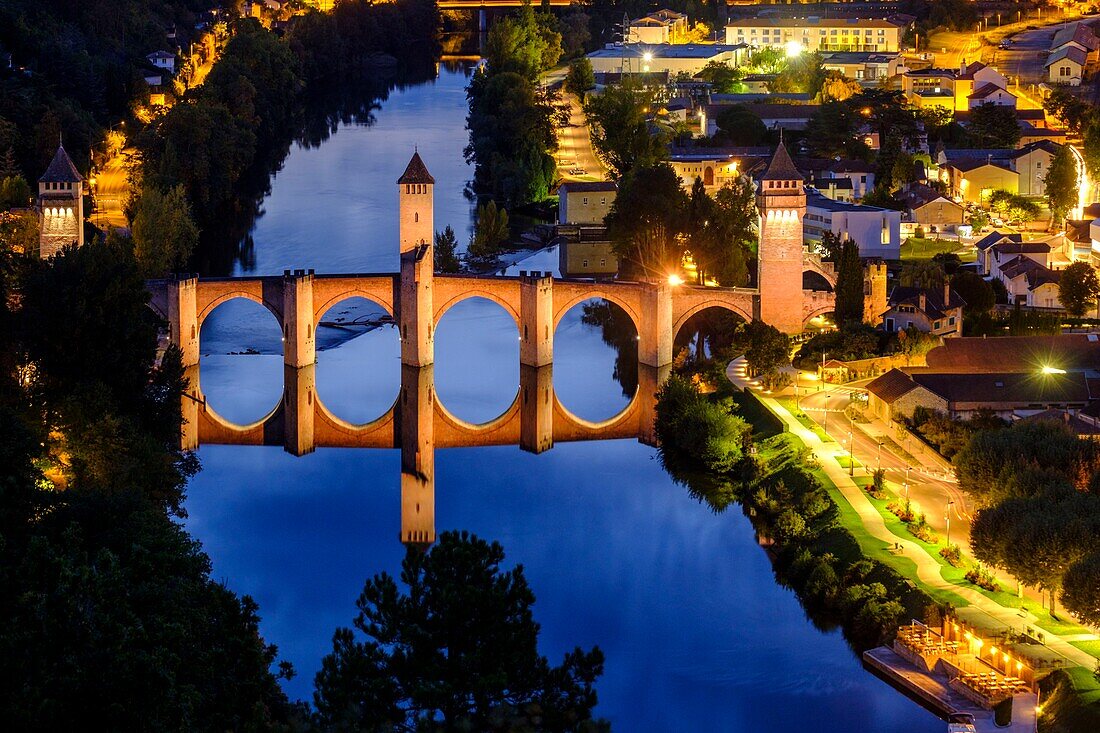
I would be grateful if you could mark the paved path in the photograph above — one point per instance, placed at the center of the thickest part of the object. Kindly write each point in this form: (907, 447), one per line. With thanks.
(112, 191)
(928, 569)
(575, 151)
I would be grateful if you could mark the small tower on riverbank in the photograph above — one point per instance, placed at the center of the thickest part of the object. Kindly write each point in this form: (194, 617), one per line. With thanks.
(414, 193)
(782, 204)
(60, 205)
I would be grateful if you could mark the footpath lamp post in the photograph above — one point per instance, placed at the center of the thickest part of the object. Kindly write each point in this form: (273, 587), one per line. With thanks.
(878, 456)
(851, 454)
(825, 427)
(907, 482)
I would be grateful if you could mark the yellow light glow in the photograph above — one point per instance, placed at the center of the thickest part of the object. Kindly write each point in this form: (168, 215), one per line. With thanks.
(1052, 370)
(1038, 709)
(794, 49)
(675, 280)
(647, 56)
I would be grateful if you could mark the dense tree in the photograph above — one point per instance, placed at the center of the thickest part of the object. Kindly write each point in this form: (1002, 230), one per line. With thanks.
(695, 430)
(837, 88)
(1074, 112)
(849, 284)
(1061, 186)
(456, 649)
(723, 78)
(768, 354)
(1081, 589)
(993, 126)
(620, 129)
(14, 192)
(738, 125)
(491, 232)
(805, 74)
(1037, 538)
(832, 129)
(988, 466)
(18, 232)
(444, 251)
(976, 293)
(1078, 288)
(646, 220)
(580, 78)
(575, 33)
(735, 232)
(164, 233)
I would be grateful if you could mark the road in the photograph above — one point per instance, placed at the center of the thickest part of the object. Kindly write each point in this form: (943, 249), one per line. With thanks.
(112, 190)
(575, 151)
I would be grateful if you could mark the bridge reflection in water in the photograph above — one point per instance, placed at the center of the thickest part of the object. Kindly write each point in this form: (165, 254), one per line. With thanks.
(418, 423)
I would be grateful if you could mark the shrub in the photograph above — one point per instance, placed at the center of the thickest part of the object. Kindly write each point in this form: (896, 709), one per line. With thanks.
(919, 528)
(952, 555)
(980, 576)
(902, 509)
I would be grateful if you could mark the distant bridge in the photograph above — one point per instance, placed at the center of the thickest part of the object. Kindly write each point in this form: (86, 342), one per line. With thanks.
(479, 4)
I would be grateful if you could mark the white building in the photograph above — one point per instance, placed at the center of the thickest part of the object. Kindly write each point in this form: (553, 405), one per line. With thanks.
(673, 59)
(664, 26)
(815, 33)
(163, 60)
(1067, 65)
(876, 231)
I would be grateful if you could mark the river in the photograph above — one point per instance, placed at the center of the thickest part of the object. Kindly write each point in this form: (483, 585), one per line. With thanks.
(696, 632)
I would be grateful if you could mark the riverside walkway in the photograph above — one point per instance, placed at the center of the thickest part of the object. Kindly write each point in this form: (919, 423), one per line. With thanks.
(927, 567)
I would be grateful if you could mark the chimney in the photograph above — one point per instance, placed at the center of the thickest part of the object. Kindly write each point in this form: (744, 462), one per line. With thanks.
(946, 293)
(922, 301)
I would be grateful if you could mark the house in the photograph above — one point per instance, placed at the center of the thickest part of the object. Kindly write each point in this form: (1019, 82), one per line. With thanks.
(663, 26)
(937, 311)
(991, 259)
(1032, 164)
(929, 208)
(991, 94)
(1076, 35)
(863, 66)
(837, 189)
(1029, 133)
(860, 173)
(877, 231)
(1072, 352)
(163, 60)
(959, 395)
(585, 202)
(689, 58)
(1066, 65)
(954, 90)
(815, 33)
(974, 180)
(1030, 283)
(985, 245)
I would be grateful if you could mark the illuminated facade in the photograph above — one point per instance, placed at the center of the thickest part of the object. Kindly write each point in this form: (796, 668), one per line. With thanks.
(60, 205)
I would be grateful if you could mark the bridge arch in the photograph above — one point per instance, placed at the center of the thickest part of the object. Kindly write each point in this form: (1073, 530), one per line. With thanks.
(451, 430)
(597, 293)
(209, 306)
(816, 311)
(737, 309)
(321, 308)
(510, 308)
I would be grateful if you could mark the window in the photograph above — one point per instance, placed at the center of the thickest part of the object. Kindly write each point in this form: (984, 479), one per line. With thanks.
(936, 326)
(951, 321)
(584, 263)
(603, 262)
(584, 200)
(603, 201)
(863, 179)
(416, 216)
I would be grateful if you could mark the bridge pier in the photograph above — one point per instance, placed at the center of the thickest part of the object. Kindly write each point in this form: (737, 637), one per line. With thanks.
(191, 403)
(183, 318)
(416, 428)
(482, 20)
(299, 338)
(655, 331)
(536, 416)
(299, 392)
(414, 309)
(650, 379)
(536, 313)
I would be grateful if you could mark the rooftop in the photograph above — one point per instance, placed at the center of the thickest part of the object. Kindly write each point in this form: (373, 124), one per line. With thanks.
(812, 20)
(588, 186)
(416, 172)
(817, 200)
(61, 169)
(781, 167)
(934, 307)
(1072, 352)
(666, 51)
(991, 388)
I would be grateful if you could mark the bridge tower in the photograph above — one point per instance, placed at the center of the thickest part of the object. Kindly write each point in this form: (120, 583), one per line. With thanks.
(60, 205)
(782, 204)
(415, 192)
(874, 291)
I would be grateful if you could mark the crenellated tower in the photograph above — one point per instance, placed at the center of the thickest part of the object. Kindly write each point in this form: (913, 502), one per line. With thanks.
(782, 204)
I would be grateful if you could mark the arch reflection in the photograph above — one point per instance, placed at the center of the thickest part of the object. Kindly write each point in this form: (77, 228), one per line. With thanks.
(418, 424)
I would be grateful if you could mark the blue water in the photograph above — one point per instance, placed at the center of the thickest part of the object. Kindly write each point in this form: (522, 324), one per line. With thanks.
(697, 634)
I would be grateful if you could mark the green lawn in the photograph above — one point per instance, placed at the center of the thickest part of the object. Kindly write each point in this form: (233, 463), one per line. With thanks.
(1085, 683)
(789, 405)
(1088, 647)
(926, 249)
(846, 462)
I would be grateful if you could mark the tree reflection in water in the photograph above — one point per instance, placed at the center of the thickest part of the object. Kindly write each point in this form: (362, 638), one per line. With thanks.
(617, 331)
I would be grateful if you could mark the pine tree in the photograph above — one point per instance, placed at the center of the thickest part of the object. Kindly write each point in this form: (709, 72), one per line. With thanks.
(849, 285)
(8, 167)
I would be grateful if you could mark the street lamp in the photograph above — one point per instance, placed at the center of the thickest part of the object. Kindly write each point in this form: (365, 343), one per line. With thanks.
(947, 516)
(878, 457)
(851, 454)
(907, 481)
(825, 427)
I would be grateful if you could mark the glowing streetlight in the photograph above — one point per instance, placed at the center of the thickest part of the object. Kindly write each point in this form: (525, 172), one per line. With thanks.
(647, 57)
(851, 454)
(793, 49)
(1052, 370)
(947, 516)
(675, 280)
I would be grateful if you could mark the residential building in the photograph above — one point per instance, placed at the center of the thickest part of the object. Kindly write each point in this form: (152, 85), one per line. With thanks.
(585, 202)
(1072, 352)
(837, 189)
(1075, 35)
(715, 166)
(817, 34)
(991, 94)
(930, 209)
(894, 395)
(1029, 133)
(876, 231)
(985, 245)
(863, 66)
(860, 173)
(954, 89)
(937, 311)
(689, 58)
(1029, 283)
(1066, 65)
